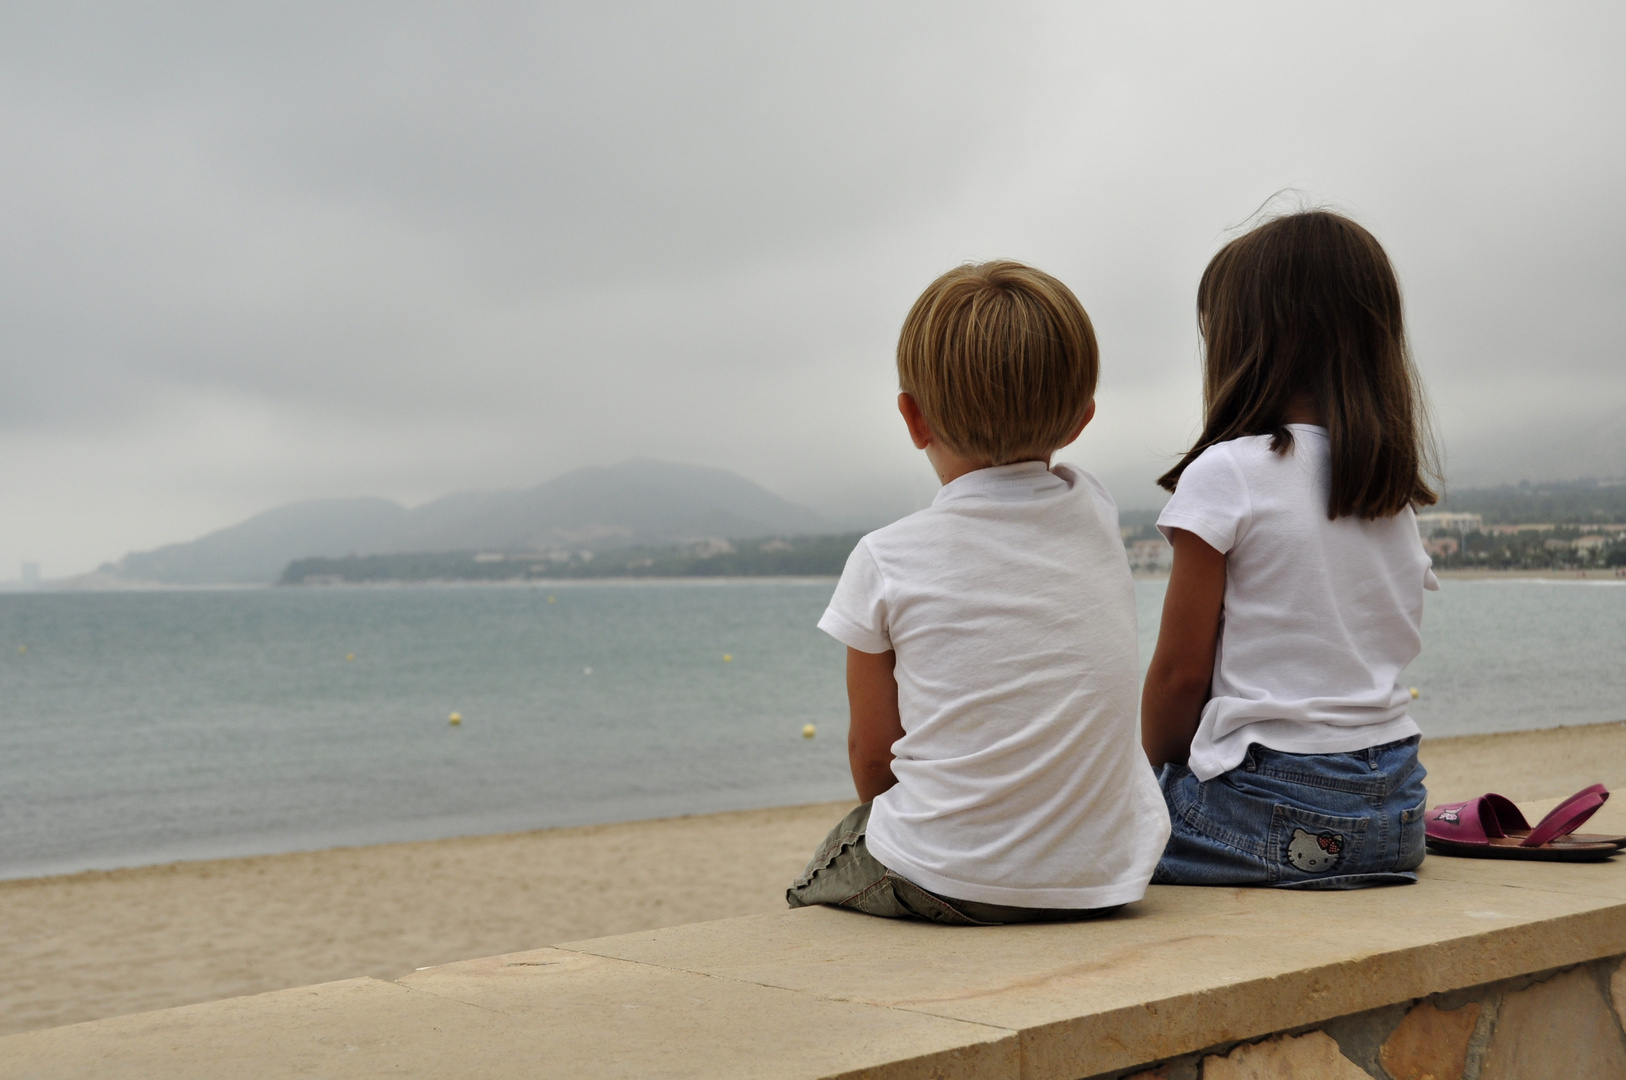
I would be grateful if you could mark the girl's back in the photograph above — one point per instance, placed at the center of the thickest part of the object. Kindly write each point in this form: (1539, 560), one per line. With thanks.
(1321, 614)
(1273, 708)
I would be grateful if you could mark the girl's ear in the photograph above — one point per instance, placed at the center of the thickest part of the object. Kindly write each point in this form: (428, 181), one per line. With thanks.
(919, 430)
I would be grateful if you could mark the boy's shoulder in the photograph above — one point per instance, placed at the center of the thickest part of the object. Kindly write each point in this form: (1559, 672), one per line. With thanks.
(976, 509)
(1086, 484)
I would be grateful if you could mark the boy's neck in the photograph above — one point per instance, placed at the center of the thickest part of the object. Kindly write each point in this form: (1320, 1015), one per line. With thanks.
(950, 466)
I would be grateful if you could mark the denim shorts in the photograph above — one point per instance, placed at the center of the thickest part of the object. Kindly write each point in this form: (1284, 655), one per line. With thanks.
(843, 873)
(1298, 821)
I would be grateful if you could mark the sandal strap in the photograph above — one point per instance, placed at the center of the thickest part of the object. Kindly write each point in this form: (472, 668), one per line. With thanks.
(1567, 816)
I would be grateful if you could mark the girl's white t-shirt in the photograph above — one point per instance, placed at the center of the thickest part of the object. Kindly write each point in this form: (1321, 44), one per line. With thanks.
(1021, 778)
(1321, 616)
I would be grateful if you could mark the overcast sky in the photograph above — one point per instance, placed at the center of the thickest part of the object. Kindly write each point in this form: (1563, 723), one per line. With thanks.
(251, 254)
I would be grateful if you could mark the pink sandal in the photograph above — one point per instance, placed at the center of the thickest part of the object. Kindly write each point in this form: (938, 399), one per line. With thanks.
(1513, 823)
(1492, 827)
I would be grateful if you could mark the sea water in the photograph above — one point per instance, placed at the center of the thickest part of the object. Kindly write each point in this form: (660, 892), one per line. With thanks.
(146, 727)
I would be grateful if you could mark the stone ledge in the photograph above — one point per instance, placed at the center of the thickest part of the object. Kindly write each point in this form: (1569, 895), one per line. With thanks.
(822, 993)
(1185, 969)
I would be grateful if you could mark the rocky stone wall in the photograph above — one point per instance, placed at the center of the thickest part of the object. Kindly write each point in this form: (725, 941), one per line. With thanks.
(1556, 1024)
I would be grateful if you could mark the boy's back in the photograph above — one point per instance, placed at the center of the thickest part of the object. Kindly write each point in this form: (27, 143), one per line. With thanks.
(991, 667)
(1020, 779)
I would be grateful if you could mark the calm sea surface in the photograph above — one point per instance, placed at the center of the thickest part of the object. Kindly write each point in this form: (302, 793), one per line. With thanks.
(145, 727)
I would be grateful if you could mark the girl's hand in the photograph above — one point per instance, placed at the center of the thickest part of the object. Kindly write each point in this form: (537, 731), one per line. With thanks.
(872, 697)
(1177, 683)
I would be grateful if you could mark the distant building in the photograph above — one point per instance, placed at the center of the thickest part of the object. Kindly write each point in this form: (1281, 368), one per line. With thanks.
(1153, 556)
(707, 549)
(1432, 521)
(1442, 545)
(1591, 543)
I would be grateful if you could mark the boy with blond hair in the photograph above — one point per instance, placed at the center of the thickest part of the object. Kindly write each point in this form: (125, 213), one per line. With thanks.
(991, 645)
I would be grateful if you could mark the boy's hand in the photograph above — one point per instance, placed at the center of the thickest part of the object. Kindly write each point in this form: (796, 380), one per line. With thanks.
(872, 697)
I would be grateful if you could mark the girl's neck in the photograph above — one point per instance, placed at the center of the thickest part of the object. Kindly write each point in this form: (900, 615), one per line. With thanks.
(1302, 410)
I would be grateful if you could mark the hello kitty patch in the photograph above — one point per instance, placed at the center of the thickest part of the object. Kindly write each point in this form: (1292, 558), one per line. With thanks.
(1449, 815)
(1314, 853)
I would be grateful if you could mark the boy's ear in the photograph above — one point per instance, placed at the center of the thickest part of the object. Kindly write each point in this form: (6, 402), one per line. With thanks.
(1083, 421)
(919, 430)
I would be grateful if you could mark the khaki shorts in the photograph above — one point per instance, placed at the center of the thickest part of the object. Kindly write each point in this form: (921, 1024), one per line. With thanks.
(844, 874)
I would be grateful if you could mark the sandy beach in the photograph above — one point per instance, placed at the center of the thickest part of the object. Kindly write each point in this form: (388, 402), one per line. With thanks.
(90, 945)
(100, 944)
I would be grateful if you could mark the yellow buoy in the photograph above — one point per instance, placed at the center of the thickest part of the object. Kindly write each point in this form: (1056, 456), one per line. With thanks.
(349, 656)
(22, 648)
(728, 658)
(553, 599)
(1414, 693)
(455, 719)
(808, 731)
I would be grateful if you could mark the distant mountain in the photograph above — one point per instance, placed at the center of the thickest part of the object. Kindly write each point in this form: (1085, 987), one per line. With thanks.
(256, 550)
(805, 556)
(636, 502)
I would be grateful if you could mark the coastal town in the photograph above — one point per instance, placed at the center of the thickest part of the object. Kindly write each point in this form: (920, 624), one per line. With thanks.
(1577, 527)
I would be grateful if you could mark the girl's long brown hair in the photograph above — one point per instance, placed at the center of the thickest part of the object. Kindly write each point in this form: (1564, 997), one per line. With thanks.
(1307, 305)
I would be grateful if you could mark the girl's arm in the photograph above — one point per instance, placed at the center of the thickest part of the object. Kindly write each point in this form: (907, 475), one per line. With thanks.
(872, 698)
(1177, 683)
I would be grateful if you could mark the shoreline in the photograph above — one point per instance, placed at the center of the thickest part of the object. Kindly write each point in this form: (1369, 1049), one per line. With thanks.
(110, 586)
(55, 589)
(1602, 574)
(1616, 573)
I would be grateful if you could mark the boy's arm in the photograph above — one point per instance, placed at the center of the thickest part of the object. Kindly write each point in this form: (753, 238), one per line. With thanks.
(872, 697)
(1182, 670)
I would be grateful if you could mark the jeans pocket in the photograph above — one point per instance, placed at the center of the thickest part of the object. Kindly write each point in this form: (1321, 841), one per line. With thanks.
(1412, 838)
(1305, 845)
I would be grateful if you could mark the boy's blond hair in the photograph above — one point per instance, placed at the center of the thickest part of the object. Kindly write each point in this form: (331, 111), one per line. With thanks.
(1001, 359)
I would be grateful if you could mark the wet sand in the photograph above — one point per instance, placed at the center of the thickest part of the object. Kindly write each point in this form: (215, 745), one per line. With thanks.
(99, 944)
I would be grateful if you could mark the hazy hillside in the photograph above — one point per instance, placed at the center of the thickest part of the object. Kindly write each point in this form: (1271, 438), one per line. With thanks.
(256, 550)
(1575, 502)
(635, 502)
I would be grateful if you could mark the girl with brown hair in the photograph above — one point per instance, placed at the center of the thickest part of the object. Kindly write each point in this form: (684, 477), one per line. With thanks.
(1273, 709)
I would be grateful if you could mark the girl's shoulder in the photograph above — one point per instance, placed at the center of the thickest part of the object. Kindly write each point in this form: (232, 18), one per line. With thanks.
(1254, 456)
(1232, 484)
(1227, 461)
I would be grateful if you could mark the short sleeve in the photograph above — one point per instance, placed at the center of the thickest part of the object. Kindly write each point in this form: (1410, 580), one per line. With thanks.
(857, 613)
(1211, 500)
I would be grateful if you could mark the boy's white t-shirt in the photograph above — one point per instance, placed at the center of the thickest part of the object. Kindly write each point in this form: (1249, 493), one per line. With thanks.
(1320, 616)
(1021, 778)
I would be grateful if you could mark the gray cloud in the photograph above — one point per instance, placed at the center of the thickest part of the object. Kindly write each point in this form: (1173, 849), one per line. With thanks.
(249, 254)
